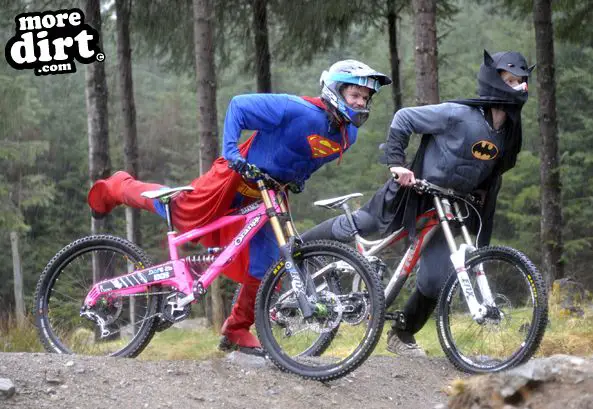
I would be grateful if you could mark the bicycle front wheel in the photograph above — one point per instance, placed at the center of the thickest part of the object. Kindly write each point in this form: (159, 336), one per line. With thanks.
(513, 327)
(66, 281)
(346, 326)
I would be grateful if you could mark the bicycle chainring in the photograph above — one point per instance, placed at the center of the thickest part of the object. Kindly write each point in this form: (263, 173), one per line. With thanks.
(170, 310)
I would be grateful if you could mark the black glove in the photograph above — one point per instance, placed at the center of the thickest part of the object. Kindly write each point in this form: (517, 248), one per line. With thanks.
(252, 172)
(296, 187)
(239, 164)
(245, 169)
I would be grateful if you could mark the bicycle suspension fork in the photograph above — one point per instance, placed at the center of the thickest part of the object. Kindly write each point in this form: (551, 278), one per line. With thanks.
(442, 207)
(286, 249)
(480, 274)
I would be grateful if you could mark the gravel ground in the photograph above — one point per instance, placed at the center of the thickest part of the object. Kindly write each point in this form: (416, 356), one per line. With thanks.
(235, 381)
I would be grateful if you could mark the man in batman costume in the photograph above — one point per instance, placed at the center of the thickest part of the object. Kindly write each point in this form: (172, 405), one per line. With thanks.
(466, 145)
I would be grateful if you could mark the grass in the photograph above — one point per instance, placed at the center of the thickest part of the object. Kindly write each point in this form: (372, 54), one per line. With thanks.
(19, 339)
(174, 344)
(564, 335)
(568, 334)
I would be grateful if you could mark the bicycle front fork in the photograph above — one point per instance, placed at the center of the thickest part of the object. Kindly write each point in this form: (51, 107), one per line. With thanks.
(300, 285)
(478, 311)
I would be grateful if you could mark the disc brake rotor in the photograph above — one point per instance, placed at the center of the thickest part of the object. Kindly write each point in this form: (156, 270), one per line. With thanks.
(328, 316)
(356, 308)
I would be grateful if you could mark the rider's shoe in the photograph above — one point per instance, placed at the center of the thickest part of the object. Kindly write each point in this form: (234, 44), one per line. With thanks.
(102, 197)
(226, 345)
(235, 330)
(119, 188)
(403, 343)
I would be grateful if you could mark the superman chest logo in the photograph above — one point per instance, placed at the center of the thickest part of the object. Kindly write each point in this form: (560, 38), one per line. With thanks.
(484, 150)
(322, 147)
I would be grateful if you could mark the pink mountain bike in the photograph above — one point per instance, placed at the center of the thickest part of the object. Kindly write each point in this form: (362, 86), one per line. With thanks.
(102, 295)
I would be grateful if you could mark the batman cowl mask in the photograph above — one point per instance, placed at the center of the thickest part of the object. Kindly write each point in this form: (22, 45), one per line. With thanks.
(495, 93)
(492, 86)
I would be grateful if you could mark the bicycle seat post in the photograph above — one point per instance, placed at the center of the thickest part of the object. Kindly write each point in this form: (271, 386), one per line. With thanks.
(349, 216)
(167, 203)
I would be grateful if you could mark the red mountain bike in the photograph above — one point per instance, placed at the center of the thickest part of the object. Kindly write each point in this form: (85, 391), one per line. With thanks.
(492, 312)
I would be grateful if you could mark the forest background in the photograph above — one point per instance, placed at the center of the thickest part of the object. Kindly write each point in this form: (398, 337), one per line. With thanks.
(44, 149)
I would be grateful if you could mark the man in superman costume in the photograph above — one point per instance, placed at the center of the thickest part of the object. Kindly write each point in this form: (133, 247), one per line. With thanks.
(294, 136)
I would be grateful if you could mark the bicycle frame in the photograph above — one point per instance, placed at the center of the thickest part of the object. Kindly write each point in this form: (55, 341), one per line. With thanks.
(427, 225)
(176, 273)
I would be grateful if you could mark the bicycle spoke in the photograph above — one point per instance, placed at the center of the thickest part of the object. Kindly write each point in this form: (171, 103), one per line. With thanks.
(117, 324)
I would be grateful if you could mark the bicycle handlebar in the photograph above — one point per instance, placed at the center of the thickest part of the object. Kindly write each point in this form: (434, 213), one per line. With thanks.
(424, 186)
(254, 174)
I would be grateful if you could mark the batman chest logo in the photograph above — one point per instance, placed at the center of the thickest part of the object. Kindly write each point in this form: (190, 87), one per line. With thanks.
(322, 147)
(484, 150)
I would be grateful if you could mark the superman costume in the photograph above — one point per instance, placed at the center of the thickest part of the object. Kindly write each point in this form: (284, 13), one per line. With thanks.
(294, 137)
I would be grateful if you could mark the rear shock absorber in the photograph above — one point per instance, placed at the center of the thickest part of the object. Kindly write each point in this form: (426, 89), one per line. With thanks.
(200, 262)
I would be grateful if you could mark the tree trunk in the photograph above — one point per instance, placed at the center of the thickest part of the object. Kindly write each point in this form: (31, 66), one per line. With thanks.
(427, 72)
(394, 56)
(97, 114)
(551, 189)
(126, 85)
(19, 297)
(207, 125)
(262, 49)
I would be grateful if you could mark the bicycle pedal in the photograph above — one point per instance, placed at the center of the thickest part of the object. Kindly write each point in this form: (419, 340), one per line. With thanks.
(391, 316)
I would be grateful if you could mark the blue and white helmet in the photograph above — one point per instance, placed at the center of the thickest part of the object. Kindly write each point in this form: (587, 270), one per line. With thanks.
(347, 72)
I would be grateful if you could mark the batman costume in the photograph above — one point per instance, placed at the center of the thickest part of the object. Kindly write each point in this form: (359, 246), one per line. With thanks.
(460, 149)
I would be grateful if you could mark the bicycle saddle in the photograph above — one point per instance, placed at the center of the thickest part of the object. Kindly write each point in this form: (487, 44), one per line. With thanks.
(167, 193)
(336, 202)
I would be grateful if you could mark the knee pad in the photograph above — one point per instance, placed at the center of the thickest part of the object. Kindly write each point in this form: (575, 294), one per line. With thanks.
(342, 230)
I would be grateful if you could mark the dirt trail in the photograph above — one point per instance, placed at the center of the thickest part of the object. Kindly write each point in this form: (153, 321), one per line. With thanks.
(235, 381)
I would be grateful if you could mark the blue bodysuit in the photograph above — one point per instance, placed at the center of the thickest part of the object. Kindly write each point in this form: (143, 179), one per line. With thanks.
(294, 138)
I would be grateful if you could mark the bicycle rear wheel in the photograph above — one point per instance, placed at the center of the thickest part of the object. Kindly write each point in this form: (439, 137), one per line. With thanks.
(66, 281)
(513, 328)
(346, 326)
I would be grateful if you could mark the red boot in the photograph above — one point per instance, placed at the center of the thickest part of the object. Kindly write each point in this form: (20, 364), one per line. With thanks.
(235, 329)
(120, 188)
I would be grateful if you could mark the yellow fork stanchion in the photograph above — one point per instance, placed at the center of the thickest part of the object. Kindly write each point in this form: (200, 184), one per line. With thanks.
(273, 218)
